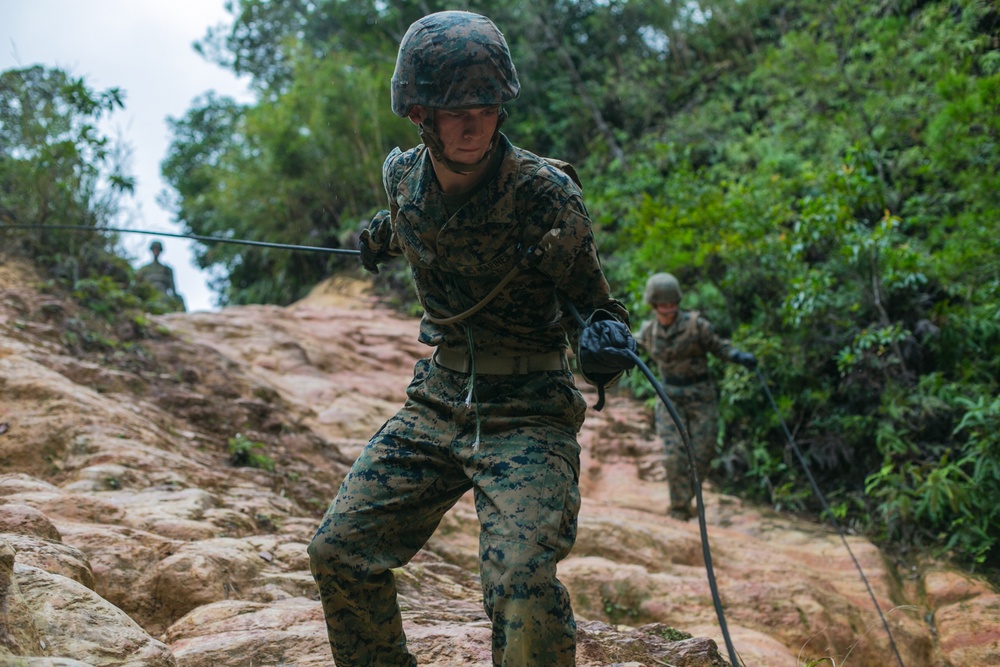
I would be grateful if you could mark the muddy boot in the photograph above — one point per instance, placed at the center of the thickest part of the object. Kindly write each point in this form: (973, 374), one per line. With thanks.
(680, 513)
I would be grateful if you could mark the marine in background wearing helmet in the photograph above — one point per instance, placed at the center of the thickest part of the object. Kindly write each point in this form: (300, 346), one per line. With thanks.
(495, 408)
(679, 342)
(161, 277)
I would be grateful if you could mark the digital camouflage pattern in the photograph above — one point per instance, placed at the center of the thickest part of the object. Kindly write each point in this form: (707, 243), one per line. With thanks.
(680, 352)
(456, 260)
(524, 471)
(524, 468)
(159, 276)
(699, 412)
(662, 288)
(453, 59)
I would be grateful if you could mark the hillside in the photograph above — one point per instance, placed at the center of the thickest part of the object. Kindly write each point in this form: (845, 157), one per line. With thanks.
(157, 493)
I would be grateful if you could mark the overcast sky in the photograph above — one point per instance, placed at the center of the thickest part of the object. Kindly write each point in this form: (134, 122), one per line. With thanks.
(145, 48)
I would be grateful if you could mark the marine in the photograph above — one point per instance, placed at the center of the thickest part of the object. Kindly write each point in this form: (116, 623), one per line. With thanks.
(161, 278)
(679, 342)
(499, 243)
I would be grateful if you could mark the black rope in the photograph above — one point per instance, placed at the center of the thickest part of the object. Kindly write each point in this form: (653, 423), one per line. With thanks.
(696, 482)
(192, 237)
(829, 513)
(716, 601)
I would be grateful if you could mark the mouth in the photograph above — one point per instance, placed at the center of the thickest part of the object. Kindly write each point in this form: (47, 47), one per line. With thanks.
(468, 155)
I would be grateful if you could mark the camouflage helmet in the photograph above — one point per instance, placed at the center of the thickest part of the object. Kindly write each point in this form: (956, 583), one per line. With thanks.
(453, 59)
(156, 246)
(662, 288)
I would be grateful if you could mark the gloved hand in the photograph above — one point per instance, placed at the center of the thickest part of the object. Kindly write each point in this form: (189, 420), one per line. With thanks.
(369, 258)
(744, 358)
(378, 228)
(605, 347)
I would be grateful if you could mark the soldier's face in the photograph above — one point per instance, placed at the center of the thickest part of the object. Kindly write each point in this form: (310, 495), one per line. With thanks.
(666, 313)
(466, 133)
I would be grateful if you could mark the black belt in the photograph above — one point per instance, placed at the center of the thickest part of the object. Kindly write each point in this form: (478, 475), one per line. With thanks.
(456, 360)
(686, 381)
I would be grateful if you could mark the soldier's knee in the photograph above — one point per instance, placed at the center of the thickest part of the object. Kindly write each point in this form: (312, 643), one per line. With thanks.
(510, 566)
(343, 550)
(322, 557)
(327, 552)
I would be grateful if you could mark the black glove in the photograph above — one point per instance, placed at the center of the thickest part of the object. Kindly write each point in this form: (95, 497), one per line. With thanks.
(605, 347)
(369, 258)
(744, 358)
(375, 234)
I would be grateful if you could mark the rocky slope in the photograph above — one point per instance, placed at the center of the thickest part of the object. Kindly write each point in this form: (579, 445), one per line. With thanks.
(157, 496)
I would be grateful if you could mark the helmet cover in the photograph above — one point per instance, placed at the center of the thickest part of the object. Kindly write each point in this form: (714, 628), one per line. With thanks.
(450, 60)
(662, 288)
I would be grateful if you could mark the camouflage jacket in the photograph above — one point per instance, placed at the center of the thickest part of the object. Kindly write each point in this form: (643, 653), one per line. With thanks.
(457, 260)
(159, 276)
(680, 350)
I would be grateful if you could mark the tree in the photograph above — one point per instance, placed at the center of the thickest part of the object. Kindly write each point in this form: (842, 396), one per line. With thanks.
(55, 165)
(301, 167)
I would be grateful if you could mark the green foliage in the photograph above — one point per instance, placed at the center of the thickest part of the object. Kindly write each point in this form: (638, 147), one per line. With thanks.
(55, 165)
(836, 200)
(673, 634)
(104, 296)
(618, 612)
(242, 453)
(57, 168)
(302, 167)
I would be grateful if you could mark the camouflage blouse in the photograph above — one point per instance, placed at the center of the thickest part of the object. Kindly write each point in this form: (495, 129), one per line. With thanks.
(457, 260)
(159, 276)
(680, 350)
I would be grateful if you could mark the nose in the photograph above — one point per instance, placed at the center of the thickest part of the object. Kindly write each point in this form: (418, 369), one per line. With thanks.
(473, 126)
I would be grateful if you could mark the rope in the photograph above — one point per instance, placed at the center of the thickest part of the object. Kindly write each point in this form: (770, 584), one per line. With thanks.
(532, 255)
(193, 237)
(702, 527)
(829, 514)
(696, 482)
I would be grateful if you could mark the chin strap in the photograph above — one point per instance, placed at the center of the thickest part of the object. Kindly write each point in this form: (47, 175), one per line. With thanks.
(433, 142)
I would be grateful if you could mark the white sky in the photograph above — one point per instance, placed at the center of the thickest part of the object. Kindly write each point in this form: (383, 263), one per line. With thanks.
(145, 48)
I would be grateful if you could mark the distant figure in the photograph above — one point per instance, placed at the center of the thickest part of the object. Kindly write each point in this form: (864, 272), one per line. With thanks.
(679, 341)
(161, 277)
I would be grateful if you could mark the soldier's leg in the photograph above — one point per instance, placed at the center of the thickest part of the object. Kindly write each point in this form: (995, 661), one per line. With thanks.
(703, 420)
(676, 460)
(388, 506)
(527, 498)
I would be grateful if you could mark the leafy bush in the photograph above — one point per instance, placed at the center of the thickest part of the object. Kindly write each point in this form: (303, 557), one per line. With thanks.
(242, 453)
(846, 234)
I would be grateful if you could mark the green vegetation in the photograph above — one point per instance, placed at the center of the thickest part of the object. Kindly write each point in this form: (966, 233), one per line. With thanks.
(57, 168)
(818, 215)
(243, 454)
(673, 634)
(824, 178)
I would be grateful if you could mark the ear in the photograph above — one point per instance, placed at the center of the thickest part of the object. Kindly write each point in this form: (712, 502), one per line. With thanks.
(417, 114)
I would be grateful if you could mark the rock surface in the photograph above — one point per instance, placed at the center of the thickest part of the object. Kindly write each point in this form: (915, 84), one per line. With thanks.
(156, 499)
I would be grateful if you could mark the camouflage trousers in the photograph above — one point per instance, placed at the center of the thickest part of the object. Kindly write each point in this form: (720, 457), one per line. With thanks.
(524, 473)
(699, 412)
